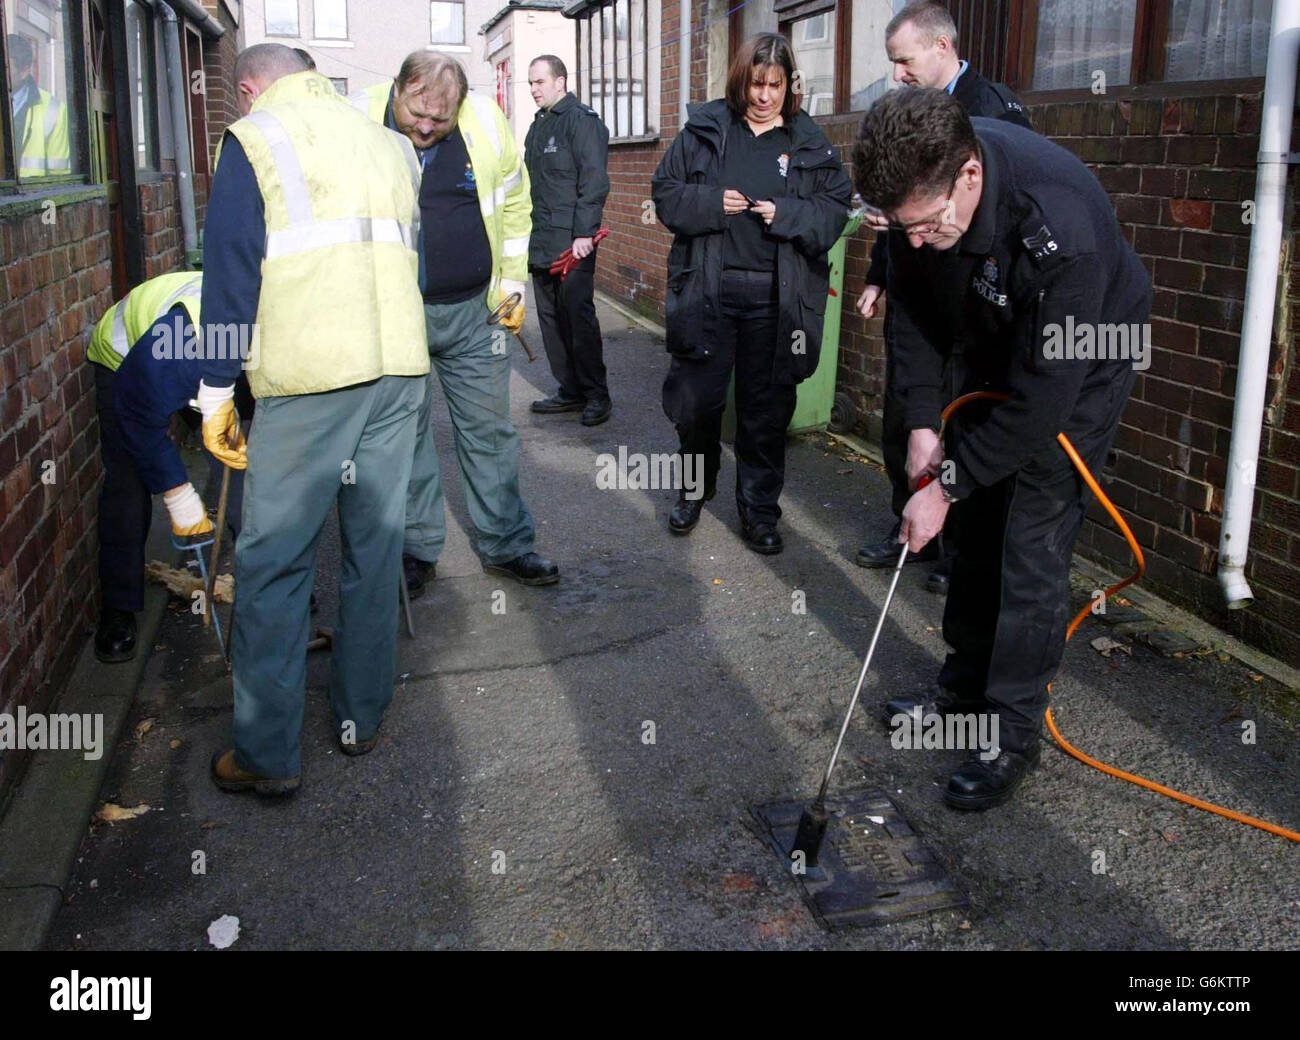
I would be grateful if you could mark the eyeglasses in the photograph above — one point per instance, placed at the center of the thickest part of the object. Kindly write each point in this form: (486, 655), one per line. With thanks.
(931, 224)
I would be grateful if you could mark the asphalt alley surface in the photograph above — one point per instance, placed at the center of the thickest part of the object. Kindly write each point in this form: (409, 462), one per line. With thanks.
(518, 741)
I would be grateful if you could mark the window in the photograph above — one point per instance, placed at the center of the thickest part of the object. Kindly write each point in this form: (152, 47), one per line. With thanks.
(281, 17)
(340, 84)
(1095, 44)
(45, 117)
(813, 42)
(613, 75)
(504, 84)
(141, 64)
(870, 73)
(330, 19)
(447, 22)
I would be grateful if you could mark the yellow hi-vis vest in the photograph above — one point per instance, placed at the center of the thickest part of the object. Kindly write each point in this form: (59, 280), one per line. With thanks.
(129, 319)
(340, 301)
(505, 197)
(43, 138)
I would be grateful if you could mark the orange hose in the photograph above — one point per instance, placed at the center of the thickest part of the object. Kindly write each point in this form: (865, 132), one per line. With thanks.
(1064, 744)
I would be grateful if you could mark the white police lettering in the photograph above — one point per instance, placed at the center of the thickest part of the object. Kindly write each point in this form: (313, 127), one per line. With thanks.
(1041, 244)
(986, 283)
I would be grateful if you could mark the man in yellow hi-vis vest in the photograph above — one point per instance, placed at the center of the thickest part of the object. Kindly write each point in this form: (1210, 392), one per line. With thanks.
(310, 240)
(40, 119)
(475, 212)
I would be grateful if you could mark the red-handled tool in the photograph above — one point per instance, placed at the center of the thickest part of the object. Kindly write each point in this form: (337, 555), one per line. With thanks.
(566, 261)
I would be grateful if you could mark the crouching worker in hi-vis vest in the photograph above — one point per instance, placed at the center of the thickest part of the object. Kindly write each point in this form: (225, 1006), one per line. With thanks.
(145, 370)
(310, 237)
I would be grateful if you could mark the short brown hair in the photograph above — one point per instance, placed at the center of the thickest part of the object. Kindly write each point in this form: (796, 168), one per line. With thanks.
(931, 20)
(912, 141)
(426, 71)
(762, 51)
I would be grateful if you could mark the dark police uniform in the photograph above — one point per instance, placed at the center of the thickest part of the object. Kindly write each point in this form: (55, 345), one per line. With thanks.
(1043, 252)
(566, 151)
(980, 97)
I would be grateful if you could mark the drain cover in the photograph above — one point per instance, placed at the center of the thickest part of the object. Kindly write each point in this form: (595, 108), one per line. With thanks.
(872, 869)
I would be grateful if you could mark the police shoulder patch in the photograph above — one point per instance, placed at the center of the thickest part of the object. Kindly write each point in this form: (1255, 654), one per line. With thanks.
(1040, 241)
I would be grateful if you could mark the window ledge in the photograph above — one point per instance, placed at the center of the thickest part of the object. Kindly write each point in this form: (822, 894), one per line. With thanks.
(33, 201)
(1145, 91)
(643, 139)
(450, 48)
(330, 43)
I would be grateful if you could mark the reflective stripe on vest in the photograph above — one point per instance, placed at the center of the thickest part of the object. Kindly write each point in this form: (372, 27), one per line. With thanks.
(305, 232)
(118, 338)
(483, 110)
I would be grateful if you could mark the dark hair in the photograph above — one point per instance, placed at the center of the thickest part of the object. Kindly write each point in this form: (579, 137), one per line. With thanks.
(762, 51)
(311, 62)
(931, 20)
(911, 141)
(20, 49)
(558, 71)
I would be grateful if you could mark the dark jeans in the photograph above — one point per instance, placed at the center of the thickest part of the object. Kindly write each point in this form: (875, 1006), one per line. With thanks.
(125, 508)
(570, 331)
(1008, 606)
(695, 396)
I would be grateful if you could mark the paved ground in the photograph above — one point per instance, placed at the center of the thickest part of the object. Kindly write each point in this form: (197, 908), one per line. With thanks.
(516, 740)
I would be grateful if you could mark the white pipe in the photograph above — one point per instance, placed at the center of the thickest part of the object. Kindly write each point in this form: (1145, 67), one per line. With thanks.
(684, 61)
(177, 95)
(1261, 294)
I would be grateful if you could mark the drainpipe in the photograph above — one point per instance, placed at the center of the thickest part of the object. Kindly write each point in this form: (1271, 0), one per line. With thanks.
(204, 22)
(1261, 292)
(177, 95)
(684, 61)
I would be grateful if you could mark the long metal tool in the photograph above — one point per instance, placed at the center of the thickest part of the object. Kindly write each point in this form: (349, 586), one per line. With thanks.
(209, 607)
(812, 824)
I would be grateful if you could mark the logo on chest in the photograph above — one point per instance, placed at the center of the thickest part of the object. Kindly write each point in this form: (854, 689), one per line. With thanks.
(467, 182)
(986, 283)
(550, 148)
(783, 164)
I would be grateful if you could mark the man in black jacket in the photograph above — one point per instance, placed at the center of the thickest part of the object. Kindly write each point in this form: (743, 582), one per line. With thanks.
(921, 41)
(565, 151)
(1008, 272)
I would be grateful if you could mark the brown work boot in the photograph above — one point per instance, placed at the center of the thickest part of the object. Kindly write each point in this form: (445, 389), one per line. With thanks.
(227, 775)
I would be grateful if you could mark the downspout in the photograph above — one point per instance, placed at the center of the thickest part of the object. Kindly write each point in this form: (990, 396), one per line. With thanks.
(176, 95)
(1261, 293)
(204, 22)
(684, 62)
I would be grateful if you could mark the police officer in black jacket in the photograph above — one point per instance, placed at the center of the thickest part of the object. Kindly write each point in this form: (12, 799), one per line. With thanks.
(565, 150)
(921, 41)
(1009, 272)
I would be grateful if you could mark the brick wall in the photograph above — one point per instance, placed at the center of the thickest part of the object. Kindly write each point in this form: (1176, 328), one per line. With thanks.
(164, 245)
(56, 281)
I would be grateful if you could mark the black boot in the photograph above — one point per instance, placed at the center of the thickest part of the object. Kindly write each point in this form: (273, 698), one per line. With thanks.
(940, 578)
(981, 785)
(115, 636)
(686, 513)
(762, 537)
(528, 569)
(416, 573)
(557, 403)
(884, 552)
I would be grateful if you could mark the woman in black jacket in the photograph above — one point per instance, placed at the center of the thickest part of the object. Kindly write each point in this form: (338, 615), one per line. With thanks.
(755, 197)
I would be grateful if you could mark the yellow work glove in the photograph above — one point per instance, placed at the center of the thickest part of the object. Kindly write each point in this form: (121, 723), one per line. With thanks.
(190, 523)
(514, 320)
(221, 433)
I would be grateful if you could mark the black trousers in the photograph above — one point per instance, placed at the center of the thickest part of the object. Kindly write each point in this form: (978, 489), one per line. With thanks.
(1008, 605)
(695, 396)
(570, 331)
(125, 508)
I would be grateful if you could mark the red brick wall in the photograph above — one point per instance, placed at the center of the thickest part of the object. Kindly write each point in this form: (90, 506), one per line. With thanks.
(56, 280)
(164, 246)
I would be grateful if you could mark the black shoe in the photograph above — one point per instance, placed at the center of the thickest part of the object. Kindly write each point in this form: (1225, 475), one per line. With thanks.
(556, 404)
(940, 578)
(938, 700)
(762, 538)
(359, 747)
(596, 412)
(884, 553)
(416, 573)
(686, 513)
(982, 785)
(528, 569)
(115, 636)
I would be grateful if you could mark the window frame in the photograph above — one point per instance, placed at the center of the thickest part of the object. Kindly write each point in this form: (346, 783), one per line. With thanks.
(448, 43)
(77, 91)
(588, 56)
(1147, 65)
(297, 24)
(315, 23)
